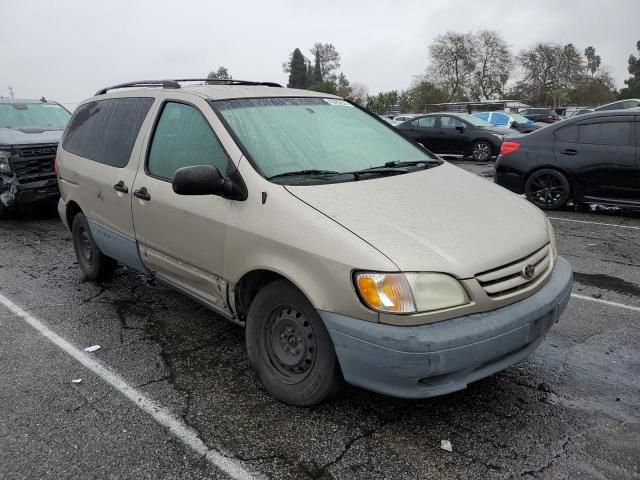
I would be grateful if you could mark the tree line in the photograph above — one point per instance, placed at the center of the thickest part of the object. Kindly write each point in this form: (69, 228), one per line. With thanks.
(472, 66)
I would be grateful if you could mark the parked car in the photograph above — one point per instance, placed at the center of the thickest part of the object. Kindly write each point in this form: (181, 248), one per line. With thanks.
(582, 111)
(590, 158)
(29, 134)
(543, 115)
(346, 250)
(457, 133)
(620, 105)
(510, 120)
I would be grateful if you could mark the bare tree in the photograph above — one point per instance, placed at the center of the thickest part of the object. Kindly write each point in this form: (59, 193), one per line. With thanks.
(327, 61)
(452, 63)
(493, 64)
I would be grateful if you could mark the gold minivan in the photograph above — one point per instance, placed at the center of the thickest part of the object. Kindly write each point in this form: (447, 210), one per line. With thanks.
(346, 250)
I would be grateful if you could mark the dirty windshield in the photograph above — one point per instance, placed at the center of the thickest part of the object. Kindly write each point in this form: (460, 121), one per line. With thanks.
(288, 135)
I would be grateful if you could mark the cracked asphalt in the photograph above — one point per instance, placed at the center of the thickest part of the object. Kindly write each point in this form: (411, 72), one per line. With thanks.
(572, 410)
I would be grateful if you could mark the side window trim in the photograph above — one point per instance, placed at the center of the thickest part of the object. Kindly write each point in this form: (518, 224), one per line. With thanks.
(156, 120)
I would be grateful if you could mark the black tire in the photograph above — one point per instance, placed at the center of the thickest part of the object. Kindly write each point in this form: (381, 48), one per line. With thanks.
(548, 189)
(289, 347)
(481, 151)
(94, 264)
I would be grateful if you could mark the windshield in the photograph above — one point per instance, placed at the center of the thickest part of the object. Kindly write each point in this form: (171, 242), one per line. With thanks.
(473, 120)
(30, 115)
(305, 134)
(520, 118)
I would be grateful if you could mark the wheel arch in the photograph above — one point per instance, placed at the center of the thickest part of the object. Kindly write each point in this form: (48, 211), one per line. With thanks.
(71, 211)
(252, 282)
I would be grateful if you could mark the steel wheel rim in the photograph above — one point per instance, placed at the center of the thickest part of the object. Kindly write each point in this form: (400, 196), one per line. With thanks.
(546, 189)
(290, 344)
(84, 246)
(481, 151)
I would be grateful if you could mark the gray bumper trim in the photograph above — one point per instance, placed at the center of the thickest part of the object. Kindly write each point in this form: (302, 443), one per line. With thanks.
(62, 211)
(430, 360)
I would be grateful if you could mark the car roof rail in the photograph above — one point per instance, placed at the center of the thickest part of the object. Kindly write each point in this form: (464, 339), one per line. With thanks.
(176, 83)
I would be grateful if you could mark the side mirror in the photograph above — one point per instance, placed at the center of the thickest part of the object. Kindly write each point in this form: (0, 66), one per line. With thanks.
(460, 128)
(201, 180)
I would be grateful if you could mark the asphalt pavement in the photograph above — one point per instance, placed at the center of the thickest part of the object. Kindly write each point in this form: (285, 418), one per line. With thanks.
(170, 393)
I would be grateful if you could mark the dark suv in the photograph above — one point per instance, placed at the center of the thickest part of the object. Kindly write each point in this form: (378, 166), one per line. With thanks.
(29, 134)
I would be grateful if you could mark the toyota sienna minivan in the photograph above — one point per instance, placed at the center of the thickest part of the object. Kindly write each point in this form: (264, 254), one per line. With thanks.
(347, 251)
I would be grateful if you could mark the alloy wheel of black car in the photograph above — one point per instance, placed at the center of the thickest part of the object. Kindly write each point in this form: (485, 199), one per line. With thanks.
(548, 189)
(481, 151)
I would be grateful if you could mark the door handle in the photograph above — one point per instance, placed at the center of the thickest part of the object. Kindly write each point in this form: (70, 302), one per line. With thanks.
(142, 194)
(569, 151)
(121, 187)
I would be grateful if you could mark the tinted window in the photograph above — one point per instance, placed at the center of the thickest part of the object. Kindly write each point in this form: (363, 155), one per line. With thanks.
(613, 106)
(450, 122)
(183, 138)
(106, 130)
(609, 133)
(567, 134)
(427, 122)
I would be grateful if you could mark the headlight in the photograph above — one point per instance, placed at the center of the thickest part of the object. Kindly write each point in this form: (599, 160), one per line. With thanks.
(552, 239)
(409, 292)
(4, 161)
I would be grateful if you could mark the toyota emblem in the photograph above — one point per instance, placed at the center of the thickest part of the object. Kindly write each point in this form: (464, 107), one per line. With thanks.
(529, 271)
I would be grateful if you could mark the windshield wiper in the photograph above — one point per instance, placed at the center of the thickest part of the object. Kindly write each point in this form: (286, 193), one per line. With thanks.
(396, 163)
(297, 173)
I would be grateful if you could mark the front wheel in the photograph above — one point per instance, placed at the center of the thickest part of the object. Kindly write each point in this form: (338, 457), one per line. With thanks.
(481, 151)
(289, 347)
(548, 189)
(94, 264)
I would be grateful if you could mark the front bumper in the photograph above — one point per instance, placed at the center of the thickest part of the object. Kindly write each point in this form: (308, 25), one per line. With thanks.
(443, 357)
(14, 193)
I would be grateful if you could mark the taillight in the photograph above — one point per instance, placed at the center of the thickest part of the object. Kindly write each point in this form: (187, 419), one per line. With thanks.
(55, 164)
(550, 117)
(509, 147)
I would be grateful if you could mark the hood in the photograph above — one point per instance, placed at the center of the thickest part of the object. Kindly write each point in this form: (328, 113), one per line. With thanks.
(443, 219)
(29, 136)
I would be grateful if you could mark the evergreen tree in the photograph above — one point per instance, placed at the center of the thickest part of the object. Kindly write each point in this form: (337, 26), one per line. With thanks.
(298, 70)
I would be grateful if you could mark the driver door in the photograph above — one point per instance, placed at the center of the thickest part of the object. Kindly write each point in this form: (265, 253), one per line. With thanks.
(182, 238)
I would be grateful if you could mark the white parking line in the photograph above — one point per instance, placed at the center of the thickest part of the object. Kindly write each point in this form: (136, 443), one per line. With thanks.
(606, 302)
(160, 414)
(630, 227)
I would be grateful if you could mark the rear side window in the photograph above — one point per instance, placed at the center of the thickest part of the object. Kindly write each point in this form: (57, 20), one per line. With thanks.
(183, 138)
(607, 133)
(106, 130)
(426, 122)
(568, 134)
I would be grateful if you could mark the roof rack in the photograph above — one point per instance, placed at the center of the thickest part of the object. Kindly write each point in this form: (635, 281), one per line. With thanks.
(176, 83)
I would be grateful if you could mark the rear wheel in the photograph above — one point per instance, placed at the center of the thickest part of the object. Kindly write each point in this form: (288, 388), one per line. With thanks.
(548, 189)
(289, 347)
(481, 151)
(94, 264)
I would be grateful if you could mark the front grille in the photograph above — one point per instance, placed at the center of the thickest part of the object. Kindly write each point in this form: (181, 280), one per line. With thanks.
(30, 164)
(510, 279)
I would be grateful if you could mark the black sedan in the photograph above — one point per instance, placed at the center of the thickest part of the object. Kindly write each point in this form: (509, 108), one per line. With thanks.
(456, 133)
(593, 158)
(543, 115)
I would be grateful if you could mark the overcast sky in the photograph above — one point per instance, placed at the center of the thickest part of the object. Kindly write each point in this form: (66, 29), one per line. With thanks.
(66, 50)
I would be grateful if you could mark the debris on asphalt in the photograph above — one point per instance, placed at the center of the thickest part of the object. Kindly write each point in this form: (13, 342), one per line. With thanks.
(446, 445)
(92, 348)
(76, 380)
